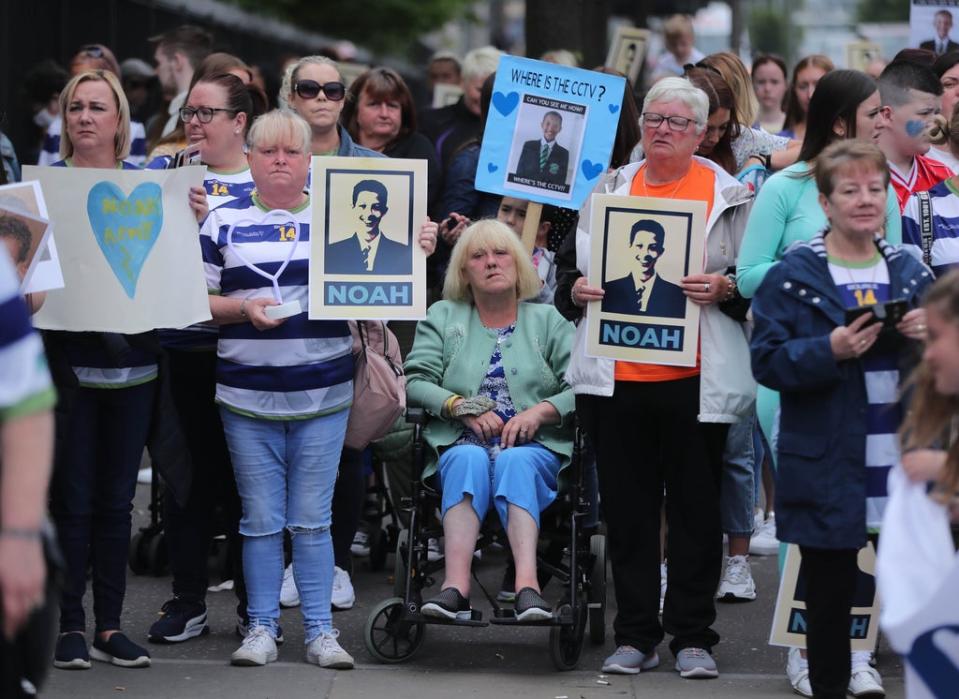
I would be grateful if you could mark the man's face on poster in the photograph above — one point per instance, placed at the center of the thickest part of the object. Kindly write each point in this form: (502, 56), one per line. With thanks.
(943, 25)
(644, 251)
(369, 211)
(552, 125)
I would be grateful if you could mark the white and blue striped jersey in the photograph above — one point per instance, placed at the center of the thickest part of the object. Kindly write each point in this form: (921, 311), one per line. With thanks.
(25, 386)
(221, 188)
(50, 153)
(944, 204)
(301, 369)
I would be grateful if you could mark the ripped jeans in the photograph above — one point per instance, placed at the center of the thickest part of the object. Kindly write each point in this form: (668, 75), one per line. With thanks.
(285, 472)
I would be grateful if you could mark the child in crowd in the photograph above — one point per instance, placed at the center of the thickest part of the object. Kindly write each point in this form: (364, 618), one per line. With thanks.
(512, 212)
(911, 96)
(680, 48)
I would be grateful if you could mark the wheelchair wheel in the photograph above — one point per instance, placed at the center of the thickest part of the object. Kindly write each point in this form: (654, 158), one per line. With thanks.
(566, 642)
(379, 544)
(597, 590)
(156, 554)
(135, 559)
(388, 638)
(400, 572)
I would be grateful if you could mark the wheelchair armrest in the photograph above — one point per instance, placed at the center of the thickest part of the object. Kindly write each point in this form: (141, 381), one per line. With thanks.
(416, 416)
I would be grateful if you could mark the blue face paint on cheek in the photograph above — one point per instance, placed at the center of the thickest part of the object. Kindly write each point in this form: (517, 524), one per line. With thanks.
(914, 127)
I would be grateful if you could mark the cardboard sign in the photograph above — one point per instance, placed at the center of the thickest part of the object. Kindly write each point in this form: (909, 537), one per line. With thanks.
(129, 249)
(627, 51)
(43, 271)
(641, 247)
(789, 617)
(365, 259)
(931, 25)
(549, 133)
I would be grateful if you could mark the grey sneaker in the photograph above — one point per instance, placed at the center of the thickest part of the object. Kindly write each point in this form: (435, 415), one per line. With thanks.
(630, 661)
(696, 664)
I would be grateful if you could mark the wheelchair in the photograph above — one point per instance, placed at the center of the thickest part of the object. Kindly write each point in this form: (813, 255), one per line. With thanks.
(569, 554)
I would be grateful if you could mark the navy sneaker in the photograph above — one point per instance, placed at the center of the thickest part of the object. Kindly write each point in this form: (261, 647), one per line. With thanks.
(120, 651)
(243, 629)
(180, 620)
(448, 604)
(72, 653)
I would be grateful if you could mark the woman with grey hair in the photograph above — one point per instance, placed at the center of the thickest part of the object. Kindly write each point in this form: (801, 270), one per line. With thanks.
(679, 415)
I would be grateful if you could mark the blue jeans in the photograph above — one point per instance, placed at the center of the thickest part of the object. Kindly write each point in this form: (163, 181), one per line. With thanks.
(738, 490)
(285, 473)
(99, 446)
(524, 476)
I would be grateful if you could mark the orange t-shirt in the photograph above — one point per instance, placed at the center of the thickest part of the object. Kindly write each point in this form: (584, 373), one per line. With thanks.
(697, 184)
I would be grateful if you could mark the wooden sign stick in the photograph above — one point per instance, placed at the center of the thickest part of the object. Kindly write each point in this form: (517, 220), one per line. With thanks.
(533, 214)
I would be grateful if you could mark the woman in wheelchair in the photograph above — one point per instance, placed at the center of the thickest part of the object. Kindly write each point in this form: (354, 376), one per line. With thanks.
(488, 370)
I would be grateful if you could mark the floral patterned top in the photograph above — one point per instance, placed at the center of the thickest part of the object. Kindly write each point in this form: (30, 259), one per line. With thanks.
(495, 388)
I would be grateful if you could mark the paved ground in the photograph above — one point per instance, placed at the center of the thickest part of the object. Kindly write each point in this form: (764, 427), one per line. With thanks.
(453, 662)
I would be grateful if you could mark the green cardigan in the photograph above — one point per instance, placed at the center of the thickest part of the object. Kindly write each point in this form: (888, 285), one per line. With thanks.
(451, 355)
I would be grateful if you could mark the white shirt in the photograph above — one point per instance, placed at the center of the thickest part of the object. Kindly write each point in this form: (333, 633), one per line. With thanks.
(373, 246)
(647, 287)
(174, 111)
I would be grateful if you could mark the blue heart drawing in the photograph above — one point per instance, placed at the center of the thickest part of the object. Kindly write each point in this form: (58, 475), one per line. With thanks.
(491, 167)
(591, 169)
(505, 103)
(126, 228)
(613, 108)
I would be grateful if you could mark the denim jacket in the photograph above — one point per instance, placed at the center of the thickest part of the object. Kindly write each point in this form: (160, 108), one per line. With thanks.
(821, 474)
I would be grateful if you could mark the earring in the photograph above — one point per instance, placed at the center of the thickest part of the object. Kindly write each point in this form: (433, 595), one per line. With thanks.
(236, 132)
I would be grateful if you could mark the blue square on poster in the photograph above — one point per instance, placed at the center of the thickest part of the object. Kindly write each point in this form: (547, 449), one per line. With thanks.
(549, 132)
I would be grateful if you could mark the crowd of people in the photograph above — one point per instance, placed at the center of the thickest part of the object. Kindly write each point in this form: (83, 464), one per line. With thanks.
(831, 197)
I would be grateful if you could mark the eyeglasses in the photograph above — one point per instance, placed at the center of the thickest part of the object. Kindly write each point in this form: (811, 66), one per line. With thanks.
(309, 89)
(204, 114)
(676, 123)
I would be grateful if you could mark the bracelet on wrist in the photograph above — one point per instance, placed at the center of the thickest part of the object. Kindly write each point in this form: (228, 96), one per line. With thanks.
(20, 533)
(243, 312)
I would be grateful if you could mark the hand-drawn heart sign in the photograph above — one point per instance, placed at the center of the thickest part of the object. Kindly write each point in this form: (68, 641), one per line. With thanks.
(126, 228)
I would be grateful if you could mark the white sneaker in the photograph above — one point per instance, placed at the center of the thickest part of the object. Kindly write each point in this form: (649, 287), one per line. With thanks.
(361, 544)
(258, 648)
(864, 681)
(289, 595)
(433, 550)
(662, 586)
(763, 541)
(325, 651)
(343, 594)
(737, 584)
(797, 670)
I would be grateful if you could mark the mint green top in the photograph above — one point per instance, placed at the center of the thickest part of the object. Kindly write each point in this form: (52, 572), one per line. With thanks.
(787, 210)
(451, 354)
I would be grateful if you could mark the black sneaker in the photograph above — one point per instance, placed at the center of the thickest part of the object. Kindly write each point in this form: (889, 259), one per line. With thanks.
(530, 606)
(120, 651)
(448, 604)
(180, 620)
(72, 653)
(243, 629)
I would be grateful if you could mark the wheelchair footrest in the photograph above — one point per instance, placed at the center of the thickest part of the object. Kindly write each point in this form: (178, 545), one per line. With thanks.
(507, 617)
(476, 619)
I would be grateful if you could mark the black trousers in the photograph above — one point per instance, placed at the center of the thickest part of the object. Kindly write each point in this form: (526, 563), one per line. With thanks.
(647, 438)
(348, 496)
(214, 504)
(830, 589)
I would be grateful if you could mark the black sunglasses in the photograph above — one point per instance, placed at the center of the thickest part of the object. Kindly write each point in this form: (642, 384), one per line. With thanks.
(309, 89)
(702, 64)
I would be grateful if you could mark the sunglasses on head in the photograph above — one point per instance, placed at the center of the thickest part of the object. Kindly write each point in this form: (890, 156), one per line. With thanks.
(309, 89)
(702, 64)
(92, 50)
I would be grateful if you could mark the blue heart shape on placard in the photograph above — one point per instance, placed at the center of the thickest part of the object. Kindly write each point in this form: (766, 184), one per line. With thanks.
(505, 103)
(126, 228)
(591, 169)
(491, 167)
(613, 108)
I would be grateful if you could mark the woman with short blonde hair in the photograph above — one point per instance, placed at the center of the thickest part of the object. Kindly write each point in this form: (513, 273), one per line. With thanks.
(121, 138)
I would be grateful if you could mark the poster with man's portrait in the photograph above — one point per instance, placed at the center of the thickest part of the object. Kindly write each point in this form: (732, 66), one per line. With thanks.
(641, 248)
(859, 54)
(365, 259)
(43, 272)
(549, 132)
(627, 51)
(22, 236)
(789, 617)
(931, 25)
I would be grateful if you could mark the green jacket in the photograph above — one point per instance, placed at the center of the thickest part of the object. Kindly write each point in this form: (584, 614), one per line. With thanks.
(451, 355)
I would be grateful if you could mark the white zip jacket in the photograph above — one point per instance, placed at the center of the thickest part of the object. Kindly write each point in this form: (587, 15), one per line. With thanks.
(727, 388)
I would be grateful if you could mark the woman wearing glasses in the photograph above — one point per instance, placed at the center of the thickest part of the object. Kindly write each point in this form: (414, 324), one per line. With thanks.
(676, 414)
(215, 118)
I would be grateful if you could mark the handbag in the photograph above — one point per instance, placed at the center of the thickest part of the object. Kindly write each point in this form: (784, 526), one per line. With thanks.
(379, 385)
